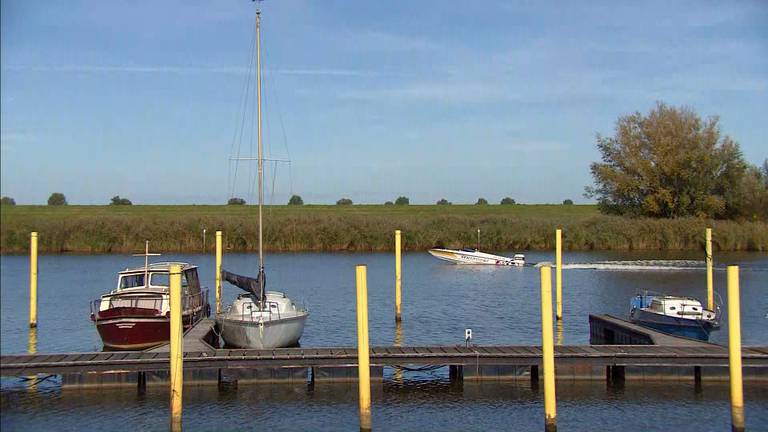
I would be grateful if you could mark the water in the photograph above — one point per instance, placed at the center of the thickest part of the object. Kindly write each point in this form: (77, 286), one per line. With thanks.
(500, 304)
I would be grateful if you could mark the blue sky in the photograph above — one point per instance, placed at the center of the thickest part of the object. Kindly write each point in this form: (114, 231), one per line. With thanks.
(428, 99)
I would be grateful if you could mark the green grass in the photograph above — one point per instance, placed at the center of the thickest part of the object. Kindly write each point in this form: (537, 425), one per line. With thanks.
(121, 229)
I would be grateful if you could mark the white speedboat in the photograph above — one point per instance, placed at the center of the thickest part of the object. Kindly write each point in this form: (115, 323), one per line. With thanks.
(259, 318)
(474, 256)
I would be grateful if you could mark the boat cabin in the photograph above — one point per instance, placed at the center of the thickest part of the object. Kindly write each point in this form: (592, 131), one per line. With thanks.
(148, 288)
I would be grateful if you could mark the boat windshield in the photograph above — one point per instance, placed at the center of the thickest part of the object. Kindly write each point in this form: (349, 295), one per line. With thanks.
(155, 279)
(132, 281)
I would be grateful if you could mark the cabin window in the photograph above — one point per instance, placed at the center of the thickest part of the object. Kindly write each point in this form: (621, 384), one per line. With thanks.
(163, 279)
(159, 279)
(190, 277)
(695, 308)
(131, 281)
(672, 308)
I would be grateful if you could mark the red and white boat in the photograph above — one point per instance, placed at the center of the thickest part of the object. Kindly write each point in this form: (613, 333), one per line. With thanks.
(136, 314)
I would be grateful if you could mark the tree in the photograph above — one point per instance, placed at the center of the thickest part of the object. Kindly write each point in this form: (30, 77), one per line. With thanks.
(57, 199)
(389, 203)
(507, 201)
(752, 197)
(7, 201)
(344, 201)
(668, 163)
(116, 200)
(295, 200)
(444, 201)
(402, 201)
(481, 201)
(567, 202)
(236, 201)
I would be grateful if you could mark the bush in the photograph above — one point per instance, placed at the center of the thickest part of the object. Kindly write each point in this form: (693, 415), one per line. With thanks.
(295, 200)
(388, 203)
(236, 201)
(344, 201)
(116, 200)
(444, 201)
(507, 201)
(567, 202)
(57, 199)
(402, 201)
(481, 201)
(7, 201)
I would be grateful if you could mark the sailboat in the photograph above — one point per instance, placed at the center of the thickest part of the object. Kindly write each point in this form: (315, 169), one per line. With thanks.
(258, 318)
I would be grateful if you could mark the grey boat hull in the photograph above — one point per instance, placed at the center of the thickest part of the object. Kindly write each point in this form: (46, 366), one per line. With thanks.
(274, 333)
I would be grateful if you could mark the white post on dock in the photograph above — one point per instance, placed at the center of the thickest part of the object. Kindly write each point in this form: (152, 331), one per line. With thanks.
(548, 351)
(363, 358)
(734, 350)
(398, 275)
(559, 272)
(710, 289)
(177, 348)
(218, 271)
(33, 279)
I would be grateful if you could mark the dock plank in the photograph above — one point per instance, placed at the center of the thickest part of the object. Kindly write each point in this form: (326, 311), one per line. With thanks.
(598, 355)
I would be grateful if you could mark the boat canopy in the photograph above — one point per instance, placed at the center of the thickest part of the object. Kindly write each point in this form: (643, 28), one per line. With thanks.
(246, 283)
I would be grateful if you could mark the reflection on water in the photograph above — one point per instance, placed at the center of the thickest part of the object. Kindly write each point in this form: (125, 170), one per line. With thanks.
(500, 304)
(420, 405)
(32, 345)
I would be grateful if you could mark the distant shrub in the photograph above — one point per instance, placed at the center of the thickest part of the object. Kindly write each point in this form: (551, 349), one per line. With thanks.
(295, 200)
(116, 200)
(236, 201)
(567, 202)
(444, 202)
(481, 201)
(402, 201)
(388, 203)
(507, 201)
(344, 201)
(7, 201)
(57, 199)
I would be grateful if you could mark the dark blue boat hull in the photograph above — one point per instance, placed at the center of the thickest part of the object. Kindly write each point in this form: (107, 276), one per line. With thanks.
(689, 328)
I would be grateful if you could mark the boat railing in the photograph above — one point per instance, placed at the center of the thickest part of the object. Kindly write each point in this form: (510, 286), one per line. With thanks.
(194, 301)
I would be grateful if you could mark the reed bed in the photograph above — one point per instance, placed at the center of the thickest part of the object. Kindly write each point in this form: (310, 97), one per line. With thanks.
(123, 229)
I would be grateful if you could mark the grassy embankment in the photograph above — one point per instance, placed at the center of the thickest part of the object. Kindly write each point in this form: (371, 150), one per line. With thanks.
(123, 229)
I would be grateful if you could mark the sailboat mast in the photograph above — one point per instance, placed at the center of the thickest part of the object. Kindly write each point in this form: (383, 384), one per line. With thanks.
(261, 152)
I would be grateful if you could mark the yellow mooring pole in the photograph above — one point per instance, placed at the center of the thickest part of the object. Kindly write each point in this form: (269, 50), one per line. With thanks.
(559, 272)
(548, 351)
(398, 274)
(218, 272)
(363, 359)
(33, 279)
(177, 348)
(734, 350)
(710, 289)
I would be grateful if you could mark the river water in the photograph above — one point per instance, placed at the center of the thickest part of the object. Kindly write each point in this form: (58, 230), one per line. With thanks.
(500, 305)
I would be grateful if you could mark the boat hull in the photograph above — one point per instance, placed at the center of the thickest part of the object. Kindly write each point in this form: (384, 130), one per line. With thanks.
(137, 329)
(475, 258)
(685, 327)
(279, 333)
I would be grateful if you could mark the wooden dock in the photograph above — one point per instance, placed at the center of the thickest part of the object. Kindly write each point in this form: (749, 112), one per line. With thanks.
(651, 355)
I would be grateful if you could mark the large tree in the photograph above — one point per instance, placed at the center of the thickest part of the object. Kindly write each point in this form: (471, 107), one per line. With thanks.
(668, 163)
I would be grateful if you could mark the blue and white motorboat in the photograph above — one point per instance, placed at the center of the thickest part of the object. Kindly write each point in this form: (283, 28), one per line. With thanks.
(679, 316)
